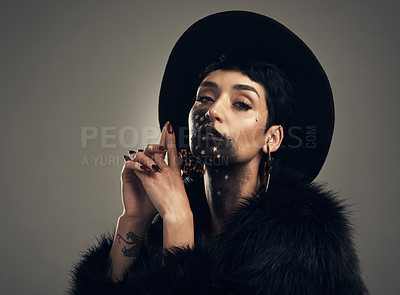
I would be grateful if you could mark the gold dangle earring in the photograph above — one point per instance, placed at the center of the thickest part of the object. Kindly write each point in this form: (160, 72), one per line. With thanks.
(268, 163)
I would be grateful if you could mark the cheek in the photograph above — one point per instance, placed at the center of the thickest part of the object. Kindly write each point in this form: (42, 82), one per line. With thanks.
(196, 119)
(249, 135)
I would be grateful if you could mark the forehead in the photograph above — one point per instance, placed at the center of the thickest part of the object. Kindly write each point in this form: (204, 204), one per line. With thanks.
(232, 77)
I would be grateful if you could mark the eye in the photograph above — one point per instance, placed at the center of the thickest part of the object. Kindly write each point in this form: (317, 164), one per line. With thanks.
(242, 105)
(204, 98)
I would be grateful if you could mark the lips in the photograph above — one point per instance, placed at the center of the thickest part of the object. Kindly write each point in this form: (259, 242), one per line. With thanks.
(211, 133)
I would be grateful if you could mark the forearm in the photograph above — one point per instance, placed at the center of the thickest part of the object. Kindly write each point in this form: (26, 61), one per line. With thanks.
(128, 240)
(178, 230)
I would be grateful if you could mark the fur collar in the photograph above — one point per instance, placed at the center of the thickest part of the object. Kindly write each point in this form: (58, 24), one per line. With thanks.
(295, 239)
(288, 193)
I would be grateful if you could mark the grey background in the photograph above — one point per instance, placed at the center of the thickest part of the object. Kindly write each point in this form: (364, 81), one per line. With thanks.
(65, 65)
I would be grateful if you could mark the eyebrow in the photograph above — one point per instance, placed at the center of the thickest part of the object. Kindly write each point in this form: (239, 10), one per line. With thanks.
(236, 86)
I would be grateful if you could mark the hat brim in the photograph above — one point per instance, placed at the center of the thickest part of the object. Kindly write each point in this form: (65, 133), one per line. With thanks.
(309, 130)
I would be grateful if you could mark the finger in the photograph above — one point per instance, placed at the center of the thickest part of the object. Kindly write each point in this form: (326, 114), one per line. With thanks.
(132, 165)
(136, 166)
(151, 149)
(163, 138)
(131, 155)
(127, 158)
(163, 135)
(159, 160)
(147, 163)
(171, 146)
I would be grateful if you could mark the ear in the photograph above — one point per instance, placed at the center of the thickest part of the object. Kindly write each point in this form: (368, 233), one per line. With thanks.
(273, 138)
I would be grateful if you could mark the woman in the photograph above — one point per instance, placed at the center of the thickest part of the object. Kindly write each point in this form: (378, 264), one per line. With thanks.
(248, 220)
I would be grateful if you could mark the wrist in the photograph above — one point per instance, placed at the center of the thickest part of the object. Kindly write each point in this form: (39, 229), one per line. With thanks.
(138, 218)
(178, 217)
(139, 225)
(178, 230)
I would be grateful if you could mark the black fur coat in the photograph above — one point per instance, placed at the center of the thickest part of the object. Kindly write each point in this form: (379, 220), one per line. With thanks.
(296, 239)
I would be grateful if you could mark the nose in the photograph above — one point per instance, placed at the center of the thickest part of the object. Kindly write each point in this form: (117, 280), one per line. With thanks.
(215, 112)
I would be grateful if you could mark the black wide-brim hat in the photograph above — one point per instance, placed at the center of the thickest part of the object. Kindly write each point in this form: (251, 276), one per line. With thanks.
(309, 130)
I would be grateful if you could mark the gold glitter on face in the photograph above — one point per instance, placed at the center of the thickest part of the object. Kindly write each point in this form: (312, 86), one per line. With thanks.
(223, 100)
(237, 131)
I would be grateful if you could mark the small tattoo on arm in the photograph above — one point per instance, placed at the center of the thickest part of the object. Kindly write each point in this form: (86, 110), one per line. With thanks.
(133, 240)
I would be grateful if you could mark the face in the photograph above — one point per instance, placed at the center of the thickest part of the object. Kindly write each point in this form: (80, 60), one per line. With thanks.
(227, 121)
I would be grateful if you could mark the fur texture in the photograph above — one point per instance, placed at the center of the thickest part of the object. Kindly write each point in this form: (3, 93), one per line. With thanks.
(296, 239)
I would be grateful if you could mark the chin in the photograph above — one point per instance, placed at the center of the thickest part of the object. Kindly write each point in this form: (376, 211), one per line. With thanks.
(213, 153)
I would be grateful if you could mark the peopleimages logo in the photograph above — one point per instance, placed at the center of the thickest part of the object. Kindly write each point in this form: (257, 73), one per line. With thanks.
(127, 137)
(303, 137)
(109, 138)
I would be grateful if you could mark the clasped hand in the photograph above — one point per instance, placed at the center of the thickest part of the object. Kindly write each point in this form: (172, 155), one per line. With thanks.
(150, 185)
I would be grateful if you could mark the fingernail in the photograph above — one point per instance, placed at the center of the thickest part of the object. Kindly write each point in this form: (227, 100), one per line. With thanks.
(140, 151)
(145, 168)
(126, 158)
(131, 152)
(156, 168)
(170, 128)
(162, 148)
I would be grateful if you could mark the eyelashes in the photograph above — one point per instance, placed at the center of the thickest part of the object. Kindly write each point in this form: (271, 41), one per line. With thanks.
(241, 105)
(204, 98)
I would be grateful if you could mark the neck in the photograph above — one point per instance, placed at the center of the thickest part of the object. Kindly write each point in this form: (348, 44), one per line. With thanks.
(225, 188)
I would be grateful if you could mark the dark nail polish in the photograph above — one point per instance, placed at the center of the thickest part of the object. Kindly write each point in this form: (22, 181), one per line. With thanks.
(140, 151)
(126, 158)
(131, 152)
(145, 168)
(162, 148)
(156, 168)
(170, 128)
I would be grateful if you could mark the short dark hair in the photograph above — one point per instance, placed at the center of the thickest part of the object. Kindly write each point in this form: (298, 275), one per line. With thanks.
(278, 88)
